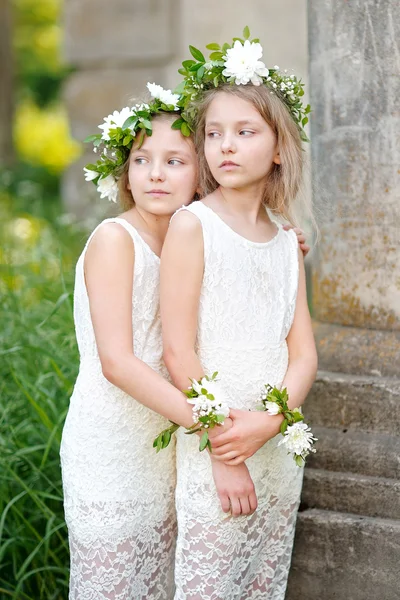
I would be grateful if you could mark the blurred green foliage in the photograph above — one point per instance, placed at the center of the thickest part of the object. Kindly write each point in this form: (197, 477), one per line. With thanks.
(37, 42)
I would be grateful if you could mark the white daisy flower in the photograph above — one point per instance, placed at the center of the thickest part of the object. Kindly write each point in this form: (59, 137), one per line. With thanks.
(117, 119)
(166, 96)
(107, 188)
(272, 408)
(242, 63)
(298, 439)
(89, 174)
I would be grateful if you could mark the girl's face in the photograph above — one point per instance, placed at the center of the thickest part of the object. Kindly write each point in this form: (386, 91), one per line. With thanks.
(163, 172)
(240, 147)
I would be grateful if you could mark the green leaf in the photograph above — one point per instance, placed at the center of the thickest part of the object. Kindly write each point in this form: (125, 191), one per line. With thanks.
(195, 67)
(129, 121)
(213, 376)
(246, 33)
(255, 41)
(196, 54)
(185, 129)
(167, 438)
(182, 71)
(284, 426)
(188, 63)
(91, 167)
(210, 396)
(226, 47)
(200, 73)
(177, 125)
(126, 140)
(179, 88)
(299, 460)
(236, 39)
(304, 121)
(216, 56)
(213, 46)
(204, 441)
(92, 138)
(220, 418)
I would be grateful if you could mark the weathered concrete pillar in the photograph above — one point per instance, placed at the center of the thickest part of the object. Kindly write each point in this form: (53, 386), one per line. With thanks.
(348, 532)
(355, 127)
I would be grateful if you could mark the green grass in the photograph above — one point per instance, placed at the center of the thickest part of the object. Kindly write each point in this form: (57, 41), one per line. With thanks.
(38, 366)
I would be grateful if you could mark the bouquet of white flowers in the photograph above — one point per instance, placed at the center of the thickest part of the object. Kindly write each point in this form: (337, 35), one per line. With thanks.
(210, 408)
(297, 436)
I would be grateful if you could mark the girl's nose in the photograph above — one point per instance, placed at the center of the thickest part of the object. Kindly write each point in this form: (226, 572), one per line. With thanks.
(227, 144)
(157, 173)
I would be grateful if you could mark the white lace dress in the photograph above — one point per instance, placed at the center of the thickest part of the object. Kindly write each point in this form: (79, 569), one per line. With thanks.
(118, 493)
(246, 309)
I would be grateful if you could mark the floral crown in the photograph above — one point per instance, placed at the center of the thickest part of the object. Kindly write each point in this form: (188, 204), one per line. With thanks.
(120, 130)
(238, 64)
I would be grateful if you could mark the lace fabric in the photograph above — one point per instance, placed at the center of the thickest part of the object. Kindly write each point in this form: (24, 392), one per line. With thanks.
(246, 309)
(118, 493)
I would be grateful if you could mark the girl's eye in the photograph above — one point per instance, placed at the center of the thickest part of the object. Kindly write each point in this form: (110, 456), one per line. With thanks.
(175, 161)
(245, 132)
(212, 134)
(140, 161)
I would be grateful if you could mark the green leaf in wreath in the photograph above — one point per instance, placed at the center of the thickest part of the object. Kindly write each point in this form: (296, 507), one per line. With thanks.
(284, 426)
(196, 54)
(246, 33)
(213, 46)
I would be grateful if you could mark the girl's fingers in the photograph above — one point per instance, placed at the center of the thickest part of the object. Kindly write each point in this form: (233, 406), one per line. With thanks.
(253, 501)
(233, 462)
(305, 249)
(219, 451)
(236, 509)
(222, 439)
(225, 503)
(245, 505)
(228, 456)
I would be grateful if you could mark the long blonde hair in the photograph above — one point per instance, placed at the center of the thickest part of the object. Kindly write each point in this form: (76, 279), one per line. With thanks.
(283, 182)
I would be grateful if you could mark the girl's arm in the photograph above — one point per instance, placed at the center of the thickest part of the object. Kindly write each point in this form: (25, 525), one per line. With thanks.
(108, 266)
(182, 266)
(251, 430)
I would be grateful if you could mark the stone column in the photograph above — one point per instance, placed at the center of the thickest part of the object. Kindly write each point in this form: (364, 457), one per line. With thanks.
(355, 129)
(348, 530)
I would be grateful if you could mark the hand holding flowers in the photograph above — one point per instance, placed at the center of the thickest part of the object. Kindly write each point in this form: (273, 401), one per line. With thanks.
(210, 408)
(251, 430)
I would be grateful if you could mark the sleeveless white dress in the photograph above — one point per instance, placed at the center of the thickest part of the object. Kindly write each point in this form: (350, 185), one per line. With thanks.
(118, 493)
(246, 309)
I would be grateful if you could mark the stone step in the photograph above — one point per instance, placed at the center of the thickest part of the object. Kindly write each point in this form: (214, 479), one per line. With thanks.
(351, 493)
(360, 452)
(357, 350)
(364, 402)
(339, 556)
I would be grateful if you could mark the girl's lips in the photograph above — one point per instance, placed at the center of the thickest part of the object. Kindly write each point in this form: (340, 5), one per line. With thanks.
(157, 192)
(227, 164)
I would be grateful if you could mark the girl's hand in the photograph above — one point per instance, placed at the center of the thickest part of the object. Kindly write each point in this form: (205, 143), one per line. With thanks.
(250, 431)
(235, 488)
(301, 238)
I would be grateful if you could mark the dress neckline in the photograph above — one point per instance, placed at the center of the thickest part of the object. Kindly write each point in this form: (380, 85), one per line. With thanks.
(241, 237)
